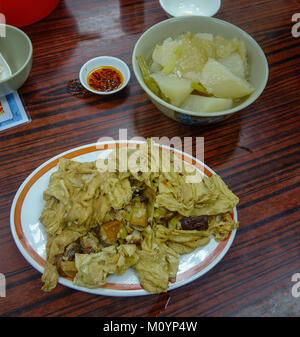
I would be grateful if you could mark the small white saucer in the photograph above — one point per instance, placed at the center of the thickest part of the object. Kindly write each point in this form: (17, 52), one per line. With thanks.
(175, 8)
(102, 61)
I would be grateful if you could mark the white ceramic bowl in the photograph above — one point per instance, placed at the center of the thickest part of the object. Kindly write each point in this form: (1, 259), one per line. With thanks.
(101, 61)
(173, 27)
(16, 53)
(190, 7)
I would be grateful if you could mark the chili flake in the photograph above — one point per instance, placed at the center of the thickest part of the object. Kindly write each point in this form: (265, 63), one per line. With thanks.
(105, 78)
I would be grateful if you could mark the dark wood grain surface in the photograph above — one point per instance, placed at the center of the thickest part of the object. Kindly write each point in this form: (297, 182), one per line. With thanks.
(256, 152)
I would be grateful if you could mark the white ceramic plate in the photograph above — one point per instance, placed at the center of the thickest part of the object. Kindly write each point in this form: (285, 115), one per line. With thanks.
(30, 236)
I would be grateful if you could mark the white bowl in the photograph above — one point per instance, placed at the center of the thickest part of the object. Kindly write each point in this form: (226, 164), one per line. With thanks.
(16, 56)
(190, 7)
(101, 61)
(173, 27)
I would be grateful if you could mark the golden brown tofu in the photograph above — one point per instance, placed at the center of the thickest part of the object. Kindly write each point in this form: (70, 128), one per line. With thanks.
(109, 231)
(139, 216)
(65, 268)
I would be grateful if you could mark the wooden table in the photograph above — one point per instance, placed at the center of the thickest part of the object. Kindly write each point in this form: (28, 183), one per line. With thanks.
(256, 152)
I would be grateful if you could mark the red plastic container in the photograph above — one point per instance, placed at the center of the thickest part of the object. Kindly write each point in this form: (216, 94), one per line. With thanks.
(21, 13)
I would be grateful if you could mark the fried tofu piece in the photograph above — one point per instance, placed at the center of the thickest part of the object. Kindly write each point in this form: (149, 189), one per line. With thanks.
(109, 231)
(139, 215)
(93, 269)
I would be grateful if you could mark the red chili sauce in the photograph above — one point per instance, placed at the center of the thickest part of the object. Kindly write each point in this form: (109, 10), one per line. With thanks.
(105, 78)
